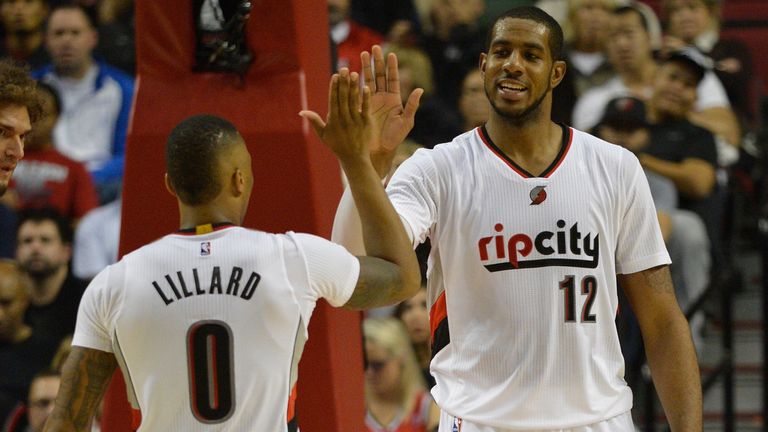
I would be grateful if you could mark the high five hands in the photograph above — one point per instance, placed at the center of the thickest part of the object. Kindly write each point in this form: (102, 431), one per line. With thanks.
(374, 118)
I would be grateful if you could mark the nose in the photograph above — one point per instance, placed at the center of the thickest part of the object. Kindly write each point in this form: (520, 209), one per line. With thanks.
(15, 148)
(513, 63)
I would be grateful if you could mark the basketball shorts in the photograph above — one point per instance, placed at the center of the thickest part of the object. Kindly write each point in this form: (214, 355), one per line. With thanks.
(620, 423)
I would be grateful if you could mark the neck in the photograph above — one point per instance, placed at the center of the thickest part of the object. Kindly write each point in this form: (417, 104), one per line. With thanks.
(639, 77)
(526, 139)
(192, 216)
(588, 46)
(78, 72)
(656, 116)
(23, 43)
(45, 291)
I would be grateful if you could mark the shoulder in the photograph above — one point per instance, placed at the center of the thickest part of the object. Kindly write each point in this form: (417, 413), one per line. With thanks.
(107, 71)
(598, 148)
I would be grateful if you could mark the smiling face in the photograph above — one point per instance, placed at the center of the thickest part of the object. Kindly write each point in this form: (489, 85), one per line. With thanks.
(674, 90)
(518, 70)
(14, 127)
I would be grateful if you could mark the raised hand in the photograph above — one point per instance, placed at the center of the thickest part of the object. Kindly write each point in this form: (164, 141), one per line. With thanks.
(347, 129)
(392, 121)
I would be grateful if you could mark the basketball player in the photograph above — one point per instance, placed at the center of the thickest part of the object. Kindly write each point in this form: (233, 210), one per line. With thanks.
(531, 223)
(208, 324)
(19, 108)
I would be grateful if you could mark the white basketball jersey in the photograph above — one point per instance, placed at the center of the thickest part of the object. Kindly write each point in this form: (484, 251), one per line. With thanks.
(208, 329)
(522, 276)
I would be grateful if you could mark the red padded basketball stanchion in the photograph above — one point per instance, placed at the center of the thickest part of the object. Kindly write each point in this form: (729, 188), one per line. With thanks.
(297, 181)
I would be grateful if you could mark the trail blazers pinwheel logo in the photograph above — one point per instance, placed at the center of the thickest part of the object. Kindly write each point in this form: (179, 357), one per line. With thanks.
(538, 195)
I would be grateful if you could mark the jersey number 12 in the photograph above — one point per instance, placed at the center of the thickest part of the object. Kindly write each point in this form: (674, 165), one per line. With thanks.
(588, 289)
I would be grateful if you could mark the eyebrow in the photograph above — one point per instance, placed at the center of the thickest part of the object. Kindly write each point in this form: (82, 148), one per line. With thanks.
(12, 128)
(529, 45)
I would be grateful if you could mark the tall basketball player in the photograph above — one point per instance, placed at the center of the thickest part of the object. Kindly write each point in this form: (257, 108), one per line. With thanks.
(531, 223)
(208, 323)
(19, 108)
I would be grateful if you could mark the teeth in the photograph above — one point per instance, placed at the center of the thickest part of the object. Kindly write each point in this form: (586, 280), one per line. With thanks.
(511, 87)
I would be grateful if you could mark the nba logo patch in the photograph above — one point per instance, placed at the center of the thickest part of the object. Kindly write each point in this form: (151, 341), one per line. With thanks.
(205, 248)
(456, 425)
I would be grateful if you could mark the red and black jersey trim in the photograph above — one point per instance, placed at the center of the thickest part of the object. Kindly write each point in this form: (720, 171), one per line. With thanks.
(564, 147)
(438, 325)
(214, 227)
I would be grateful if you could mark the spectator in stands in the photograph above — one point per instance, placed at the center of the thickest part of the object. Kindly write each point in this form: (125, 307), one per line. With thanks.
(96, 99)
(624, 123)
(116, 26)
(24, 31)
(19, 109)
(42, 395)
(397, 20)
(629, 50)
(697, 22)
(473, 104)
(350, 37)
(96, 240)
(455, 44)
(24, 351)
(586, 35)
(47, 178)
(678, 149)
(43, 250)
(40, 402)
(395, 394)
(435, 121)
(415, 317)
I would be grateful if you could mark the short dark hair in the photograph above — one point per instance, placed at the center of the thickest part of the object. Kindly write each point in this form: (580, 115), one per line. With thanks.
(628, 9)
(47, 88)
(90, 18)
(39, 215)
(192, 155)
(17, 87)
(533, 13)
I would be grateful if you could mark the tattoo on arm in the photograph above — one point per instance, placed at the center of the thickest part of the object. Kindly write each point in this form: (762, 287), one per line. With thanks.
(376, 285)
(85, 377)
(659, 279)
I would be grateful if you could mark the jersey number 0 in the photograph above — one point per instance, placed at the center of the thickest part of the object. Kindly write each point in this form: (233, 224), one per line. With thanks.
(211, 374)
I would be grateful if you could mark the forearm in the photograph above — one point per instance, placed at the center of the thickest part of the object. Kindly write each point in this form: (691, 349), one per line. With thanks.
(85, 377)
(720, 121)
(382, 230)
(675, 372)
(693, 181)
(347, 229)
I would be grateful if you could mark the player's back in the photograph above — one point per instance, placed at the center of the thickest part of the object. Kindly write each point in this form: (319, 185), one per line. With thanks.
(208, 329)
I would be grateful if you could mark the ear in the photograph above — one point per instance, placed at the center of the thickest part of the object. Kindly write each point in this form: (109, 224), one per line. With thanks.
(558, 72)
(237, 182)
(481, 64)
(169, 185)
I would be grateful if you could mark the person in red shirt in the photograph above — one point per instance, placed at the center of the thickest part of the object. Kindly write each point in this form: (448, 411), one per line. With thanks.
(349, 37)
(47, 178)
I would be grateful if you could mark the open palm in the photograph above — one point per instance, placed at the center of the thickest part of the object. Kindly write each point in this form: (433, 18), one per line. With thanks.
(392, 122)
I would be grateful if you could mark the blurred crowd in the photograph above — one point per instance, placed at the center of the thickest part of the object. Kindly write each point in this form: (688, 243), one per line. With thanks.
(653, 77)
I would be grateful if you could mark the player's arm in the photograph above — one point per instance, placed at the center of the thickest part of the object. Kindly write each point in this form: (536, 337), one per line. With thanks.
(390, 273)
(392, 123)
(85, 376)
(668, 346)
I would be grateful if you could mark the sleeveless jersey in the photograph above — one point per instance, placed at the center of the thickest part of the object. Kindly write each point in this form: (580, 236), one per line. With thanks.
(522, 276)
(208, 329)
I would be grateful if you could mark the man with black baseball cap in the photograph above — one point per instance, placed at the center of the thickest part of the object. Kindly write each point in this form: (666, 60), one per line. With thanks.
(625, 122)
